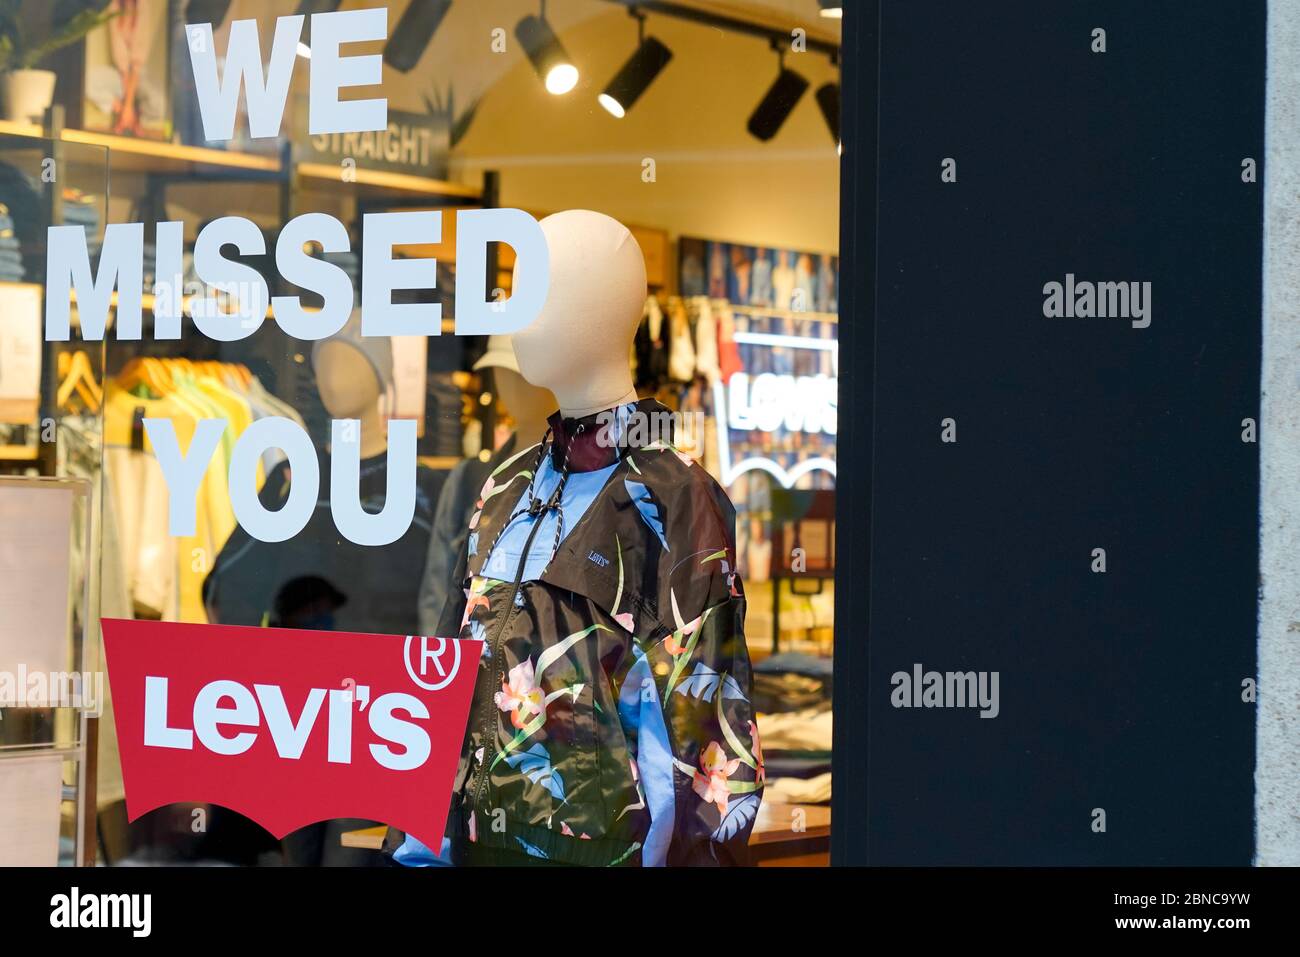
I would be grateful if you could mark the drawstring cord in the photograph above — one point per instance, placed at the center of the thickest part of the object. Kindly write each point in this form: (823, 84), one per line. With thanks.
(536, 508)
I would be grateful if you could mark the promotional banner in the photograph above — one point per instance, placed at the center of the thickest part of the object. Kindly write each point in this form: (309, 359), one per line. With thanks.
(289, 727)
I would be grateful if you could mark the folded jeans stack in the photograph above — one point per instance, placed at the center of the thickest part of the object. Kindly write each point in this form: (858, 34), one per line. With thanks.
(11, 256)
(792, 680)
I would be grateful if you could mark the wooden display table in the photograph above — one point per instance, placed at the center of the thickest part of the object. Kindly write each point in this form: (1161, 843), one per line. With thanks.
(784, 835)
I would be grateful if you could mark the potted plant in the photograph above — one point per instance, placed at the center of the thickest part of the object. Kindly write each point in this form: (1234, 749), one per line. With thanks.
(25, 91)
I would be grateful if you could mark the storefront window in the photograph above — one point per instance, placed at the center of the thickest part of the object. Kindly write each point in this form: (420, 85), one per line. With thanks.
(694, 145)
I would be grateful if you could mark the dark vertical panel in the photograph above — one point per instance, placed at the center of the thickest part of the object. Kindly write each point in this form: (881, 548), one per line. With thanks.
(1120, 690)
(853, 467)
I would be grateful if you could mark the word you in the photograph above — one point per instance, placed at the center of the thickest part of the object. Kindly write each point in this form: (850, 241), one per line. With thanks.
(183, 474)
(1101, 300)
(946, 689)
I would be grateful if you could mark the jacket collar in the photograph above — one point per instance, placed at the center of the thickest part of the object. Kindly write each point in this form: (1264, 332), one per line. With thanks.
(599, 440)
(585, 563)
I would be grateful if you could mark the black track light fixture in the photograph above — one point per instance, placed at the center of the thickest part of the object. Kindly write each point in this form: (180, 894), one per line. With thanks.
(636, 75)
(779, 100)
(305, 10)
(207, 11)
(546, 53)
(828, 99)
(414, 30)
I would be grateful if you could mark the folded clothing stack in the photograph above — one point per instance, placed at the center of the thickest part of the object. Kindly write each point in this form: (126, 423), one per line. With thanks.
(11, 255)
(443, 432)
(350, 264)
(80, 209)
(797, 755)
(791, 680)
(347, 260)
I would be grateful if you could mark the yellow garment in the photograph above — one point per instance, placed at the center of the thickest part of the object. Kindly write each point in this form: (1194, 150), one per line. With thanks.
(166, 573)
(236, 411)
(141, 497)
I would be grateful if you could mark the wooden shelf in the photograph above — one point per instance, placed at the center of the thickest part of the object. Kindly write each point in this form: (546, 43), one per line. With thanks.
(803, 315)
(152, 156)
(132, 154)
(385, 180)
(773, 825)
(147, 303)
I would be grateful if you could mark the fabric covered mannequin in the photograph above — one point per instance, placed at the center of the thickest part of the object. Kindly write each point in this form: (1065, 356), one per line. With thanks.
(611, 722)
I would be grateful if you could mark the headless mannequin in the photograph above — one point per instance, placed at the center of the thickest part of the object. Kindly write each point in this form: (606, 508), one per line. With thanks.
(528, 405)
(350, 390)
(578, 346)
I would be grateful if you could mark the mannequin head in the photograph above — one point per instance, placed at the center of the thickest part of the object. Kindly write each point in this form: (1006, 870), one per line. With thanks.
(348, 385)
(578, 345)
(352, 372)
(529, 405)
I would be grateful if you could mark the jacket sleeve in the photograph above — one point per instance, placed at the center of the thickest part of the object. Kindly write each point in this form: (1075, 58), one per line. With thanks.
(716, 753)
(440, 564)
(452, 619)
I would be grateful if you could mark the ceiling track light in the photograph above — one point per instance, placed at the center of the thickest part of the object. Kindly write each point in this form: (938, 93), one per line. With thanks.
(411, 36)
(306, 8)
(779, 101)
(636, 75)
(208, 11)
(832, 9)
(546, 53)
(828, 99)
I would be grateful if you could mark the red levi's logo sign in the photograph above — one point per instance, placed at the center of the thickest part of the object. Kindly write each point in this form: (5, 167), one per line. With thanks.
(290, 727)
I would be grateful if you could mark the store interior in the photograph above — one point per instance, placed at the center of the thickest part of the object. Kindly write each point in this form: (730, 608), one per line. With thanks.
(724, 164)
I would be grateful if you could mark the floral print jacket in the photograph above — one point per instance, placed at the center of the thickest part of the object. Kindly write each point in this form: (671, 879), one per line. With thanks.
(611, 722)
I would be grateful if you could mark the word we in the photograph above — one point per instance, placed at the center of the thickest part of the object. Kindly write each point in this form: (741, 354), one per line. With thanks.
(248, 709)
(946, 689)
(1102, 300)
(266, 93)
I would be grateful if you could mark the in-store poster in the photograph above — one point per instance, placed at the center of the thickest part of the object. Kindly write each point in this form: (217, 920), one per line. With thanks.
(290, 726)
(126, 87)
